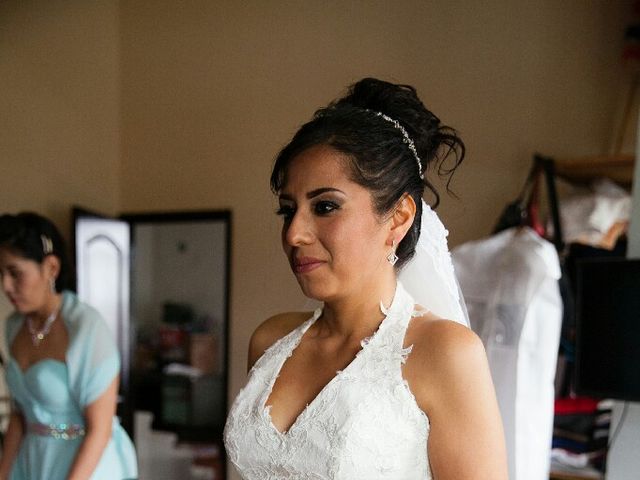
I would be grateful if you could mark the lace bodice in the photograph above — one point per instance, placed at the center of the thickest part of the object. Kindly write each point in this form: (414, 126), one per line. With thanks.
(364, 424)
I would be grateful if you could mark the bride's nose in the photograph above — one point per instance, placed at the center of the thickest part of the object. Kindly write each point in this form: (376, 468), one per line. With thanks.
(299, 230)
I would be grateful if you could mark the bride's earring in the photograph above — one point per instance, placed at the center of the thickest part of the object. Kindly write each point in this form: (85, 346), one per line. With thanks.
(392, 258)
(52, 284)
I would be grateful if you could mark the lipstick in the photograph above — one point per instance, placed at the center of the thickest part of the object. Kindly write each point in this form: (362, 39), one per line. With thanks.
(306, 264)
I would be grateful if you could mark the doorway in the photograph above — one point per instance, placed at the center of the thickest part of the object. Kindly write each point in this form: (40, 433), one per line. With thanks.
(175, 358)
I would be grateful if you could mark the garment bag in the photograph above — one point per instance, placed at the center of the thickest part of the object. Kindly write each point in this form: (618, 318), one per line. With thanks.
(510, 284)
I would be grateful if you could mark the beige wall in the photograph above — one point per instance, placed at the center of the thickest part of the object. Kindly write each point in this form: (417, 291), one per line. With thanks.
(155, 105)
(59, 108)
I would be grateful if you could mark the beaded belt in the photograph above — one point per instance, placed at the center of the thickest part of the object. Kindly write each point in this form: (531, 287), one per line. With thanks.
(63, 431)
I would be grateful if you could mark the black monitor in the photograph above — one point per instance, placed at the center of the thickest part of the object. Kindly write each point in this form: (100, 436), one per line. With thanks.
(608, 328)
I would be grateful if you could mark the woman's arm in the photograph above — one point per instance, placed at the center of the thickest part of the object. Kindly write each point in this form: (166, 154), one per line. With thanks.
(453, 386)
(11, 444)
(98, 422)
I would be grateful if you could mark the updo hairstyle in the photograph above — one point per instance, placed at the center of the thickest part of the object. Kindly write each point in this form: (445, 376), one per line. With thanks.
(25, 235)
(379, 158)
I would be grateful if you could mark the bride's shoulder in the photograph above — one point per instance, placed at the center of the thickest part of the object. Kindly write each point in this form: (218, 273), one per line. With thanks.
(438, 336)
(272, 330)
(444, 354)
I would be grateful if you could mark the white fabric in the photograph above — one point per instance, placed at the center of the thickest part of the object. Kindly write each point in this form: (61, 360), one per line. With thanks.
(586, 217)
(429, 276)
(363, 425)
(510, 282)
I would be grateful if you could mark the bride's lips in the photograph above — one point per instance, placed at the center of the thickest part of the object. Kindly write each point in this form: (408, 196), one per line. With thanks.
(306, 264)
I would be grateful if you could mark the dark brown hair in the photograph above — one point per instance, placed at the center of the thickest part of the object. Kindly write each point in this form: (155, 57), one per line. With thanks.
(22, 234)
(380, 158)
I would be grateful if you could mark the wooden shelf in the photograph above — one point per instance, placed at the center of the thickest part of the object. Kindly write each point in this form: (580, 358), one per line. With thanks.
(618, 168)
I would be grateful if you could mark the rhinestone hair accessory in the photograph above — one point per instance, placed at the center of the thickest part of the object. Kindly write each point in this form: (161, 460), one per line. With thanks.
(47, 244)
(405, 138)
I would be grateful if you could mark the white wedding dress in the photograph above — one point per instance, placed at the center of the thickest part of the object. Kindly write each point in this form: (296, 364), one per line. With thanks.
(365, 424)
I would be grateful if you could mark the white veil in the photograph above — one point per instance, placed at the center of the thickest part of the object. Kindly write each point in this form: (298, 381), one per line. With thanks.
(429, 276)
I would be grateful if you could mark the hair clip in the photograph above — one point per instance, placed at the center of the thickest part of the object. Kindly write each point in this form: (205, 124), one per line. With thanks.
(47, 244)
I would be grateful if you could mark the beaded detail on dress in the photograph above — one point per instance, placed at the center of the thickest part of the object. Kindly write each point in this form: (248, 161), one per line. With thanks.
(364, 424)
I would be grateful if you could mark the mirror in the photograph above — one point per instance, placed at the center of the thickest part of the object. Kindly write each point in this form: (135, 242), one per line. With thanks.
(179, 310)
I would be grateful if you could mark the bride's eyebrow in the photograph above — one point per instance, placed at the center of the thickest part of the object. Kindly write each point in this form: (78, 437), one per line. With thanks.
(320, 191)
(312, 193)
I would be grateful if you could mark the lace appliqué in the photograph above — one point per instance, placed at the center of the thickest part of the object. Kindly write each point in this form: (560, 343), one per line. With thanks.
(363, 425)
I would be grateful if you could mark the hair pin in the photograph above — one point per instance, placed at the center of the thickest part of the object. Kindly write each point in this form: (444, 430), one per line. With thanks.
(47, 244)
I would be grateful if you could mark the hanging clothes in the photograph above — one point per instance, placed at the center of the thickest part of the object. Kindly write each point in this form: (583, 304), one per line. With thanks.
(510, 284)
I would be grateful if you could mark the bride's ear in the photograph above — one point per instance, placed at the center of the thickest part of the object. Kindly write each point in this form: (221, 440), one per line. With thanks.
(402, 218)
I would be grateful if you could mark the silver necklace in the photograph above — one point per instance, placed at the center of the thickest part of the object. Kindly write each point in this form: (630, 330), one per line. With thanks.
(38, 335)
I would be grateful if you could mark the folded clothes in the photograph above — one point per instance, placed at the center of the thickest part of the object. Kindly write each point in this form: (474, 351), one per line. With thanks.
(603, 419)
(581, 424)
(600, 433)
(572, 405)
(577, 460)
(570, 435)
(570, 445)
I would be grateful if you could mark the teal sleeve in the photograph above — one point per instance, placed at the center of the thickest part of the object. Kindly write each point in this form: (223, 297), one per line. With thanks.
(93, 357)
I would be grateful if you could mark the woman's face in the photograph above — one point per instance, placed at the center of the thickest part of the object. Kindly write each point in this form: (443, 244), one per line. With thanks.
(333, 239)
(26, 283)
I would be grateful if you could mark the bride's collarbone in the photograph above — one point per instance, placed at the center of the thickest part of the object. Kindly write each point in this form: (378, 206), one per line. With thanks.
(314, 360)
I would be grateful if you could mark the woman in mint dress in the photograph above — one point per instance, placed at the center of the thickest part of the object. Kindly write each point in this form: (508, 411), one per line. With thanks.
(63, 367)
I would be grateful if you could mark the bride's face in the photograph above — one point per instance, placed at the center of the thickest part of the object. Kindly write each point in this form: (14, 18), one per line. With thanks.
(334, 240)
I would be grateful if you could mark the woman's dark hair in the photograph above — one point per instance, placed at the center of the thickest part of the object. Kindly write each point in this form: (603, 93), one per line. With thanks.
(34, 237)
(379, 158)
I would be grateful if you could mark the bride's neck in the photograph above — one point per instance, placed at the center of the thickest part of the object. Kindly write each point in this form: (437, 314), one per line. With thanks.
(358, 311)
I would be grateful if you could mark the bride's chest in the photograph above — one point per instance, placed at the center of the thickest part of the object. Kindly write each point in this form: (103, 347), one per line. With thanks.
(359, 423)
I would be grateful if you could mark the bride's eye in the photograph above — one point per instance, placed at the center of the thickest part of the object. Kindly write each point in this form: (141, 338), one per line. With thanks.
(324, 207)
(286, 212)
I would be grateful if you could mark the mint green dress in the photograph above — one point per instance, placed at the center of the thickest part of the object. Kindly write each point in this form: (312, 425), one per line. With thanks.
(53, 394)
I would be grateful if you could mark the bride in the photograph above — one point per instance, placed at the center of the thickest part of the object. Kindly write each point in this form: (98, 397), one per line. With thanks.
(371, 385)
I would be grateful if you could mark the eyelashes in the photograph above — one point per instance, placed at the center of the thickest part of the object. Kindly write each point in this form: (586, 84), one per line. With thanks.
(324, 207)
(320, 208)
(286, 212)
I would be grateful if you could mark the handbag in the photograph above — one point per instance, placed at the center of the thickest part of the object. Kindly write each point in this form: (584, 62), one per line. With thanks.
(524, 208)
